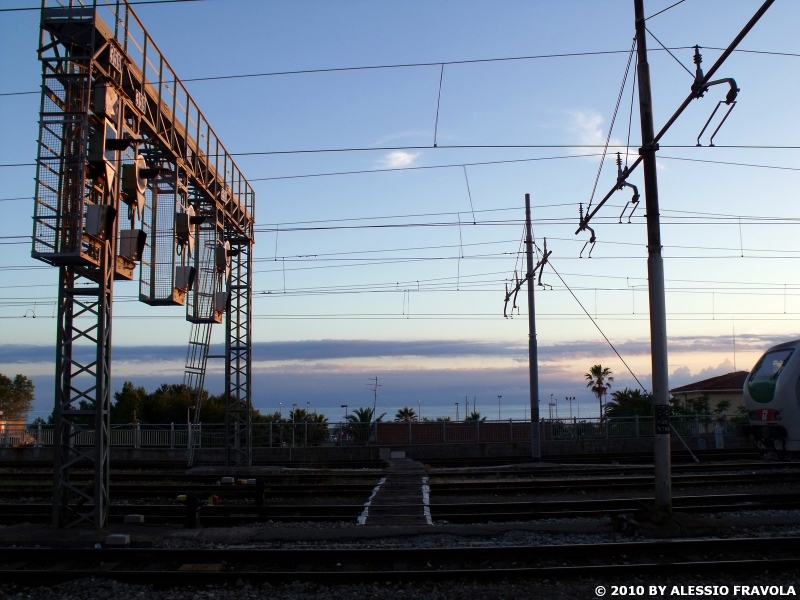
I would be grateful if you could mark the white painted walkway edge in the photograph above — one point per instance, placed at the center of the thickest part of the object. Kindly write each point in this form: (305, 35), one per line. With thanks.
(426, 496)
(362, 518)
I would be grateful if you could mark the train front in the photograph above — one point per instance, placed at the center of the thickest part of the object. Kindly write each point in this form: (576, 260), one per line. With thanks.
(772, 397)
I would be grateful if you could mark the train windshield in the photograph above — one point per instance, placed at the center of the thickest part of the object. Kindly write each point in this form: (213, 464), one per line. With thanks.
(761, 384)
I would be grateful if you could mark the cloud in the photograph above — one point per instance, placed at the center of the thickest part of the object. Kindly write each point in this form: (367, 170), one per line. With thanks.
(439, 372)
(320, 350)
(588, 126)
(683, 375)
(398, 159)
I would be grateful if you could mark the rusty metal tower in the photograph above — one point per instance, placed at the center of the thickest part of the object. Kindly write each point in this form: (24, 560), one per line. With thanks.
(129, 172)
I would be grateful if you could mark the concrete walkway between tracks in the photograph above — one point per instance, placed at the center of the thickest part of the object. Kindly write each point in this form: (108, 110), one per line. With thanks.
(401, 498)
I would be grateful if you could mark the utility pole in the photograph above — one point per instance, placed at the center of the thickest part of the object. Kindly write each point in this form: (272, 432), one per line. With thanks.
(655, 264)
(533, 361)
(655, 275)
(375, 387)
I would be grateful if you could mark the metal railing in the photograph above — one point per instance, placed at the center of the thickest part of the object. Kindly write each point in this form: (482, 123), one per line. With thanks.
(304, 434)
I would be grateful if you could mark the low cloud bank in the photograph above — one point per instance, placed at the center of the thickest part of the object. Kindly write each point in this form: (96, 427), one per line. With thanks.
(316, 350)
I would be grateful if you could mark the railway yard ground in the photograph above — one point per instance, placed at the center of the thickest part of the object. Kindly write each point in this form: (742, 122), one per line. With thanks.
(403, 529)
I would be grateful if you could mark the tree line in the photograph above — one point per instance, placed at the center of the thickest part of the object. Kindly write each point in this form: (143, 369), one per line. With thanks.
(632, 403)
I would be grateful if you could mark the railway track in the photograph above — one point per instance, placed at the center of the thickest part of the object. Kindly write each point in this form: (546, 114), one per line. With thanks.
(118, 491)
(595, 458)
(543, 482)
(606, 483)
(678, 456)
(611, 469)
(180, 465)
(323, 475)
(169, 567)
(238, 514)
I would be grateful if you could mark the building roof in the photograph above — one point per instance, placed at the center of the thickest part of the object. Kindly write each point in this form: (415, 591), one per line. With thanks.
(731, 382)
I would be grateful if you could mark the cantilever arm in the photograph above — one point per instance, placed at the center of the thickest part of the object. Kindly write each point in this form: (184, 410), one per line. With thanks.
(704, 82)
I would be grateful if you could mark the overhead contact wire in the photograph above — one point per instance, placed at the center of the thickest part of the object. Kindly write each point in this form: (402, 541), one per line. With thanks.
(605, 337)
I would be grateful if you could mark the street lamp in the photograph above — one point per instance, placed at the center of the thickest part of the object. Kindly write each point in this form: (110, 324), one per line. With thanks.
(498, 406)
(456, 411)
(551, 405)
(342, 427)
(294, 408)
(280, 410)
(308, 407)
(570, 399)
(419, 410)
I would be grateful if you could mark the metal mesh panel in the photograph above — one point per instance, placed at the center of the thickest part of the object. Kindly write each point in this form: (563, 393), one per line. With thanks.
(157, 279)
(63, 134)
(146, 272)
(164, 243)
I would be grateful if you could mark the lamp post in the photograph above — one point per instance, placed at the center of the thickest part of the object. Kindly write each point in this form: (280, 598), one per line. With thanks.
(551, 405)
(419, 410)
(341, 427)
(294, 409)
(308, 407)
(280, 410)
(570, 399)
(498, 406)
(456, 411)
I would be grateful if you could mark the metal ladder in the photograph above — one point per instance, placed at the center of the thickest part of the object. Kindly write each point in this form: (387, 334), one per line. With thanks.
(199, 343)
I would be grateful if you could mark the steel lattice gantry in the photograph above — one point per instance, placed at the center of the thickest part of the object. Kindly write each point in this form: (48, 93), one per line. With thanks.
(129, 172)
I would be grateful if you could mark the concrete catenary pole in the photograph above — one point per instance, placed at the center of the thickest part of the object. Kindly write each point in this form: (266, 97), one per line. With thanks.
(533, 361)
(655, 275)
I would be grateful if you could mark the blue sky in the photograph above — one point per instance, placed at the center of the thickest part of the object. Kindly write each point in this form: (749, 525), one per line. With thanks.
(427, 318)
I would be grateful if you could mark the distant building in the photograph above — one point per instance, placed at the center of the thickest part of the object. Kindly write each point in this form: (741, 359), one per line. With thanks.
(723, 387)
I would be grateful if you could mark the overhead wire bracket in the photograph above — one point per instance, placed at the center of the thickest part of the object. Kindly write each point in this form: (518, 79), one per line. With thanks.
(701, 84)
(583, 225)
(699, 89)
(512, 293)
(622, 183)
(540, 266)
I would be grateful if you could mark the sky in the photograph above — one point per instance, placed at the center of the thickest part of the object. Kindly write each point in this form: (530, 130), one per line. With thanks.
(418, 302)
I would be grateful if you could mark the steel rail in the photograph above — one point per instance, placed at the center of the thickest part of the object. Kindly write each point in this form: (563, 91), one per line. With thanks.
(534, 485)
(543, 485)
(233, 514)
(191, 566)
(530, 474)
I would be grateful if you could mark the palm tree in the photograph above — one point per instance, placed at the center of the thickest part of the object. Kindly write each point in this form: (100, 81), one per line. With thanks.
(599, 380)
(629, 403)
(359, 422)
(475, 416)
(405, 415)
(363, 416)
(298, 415)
